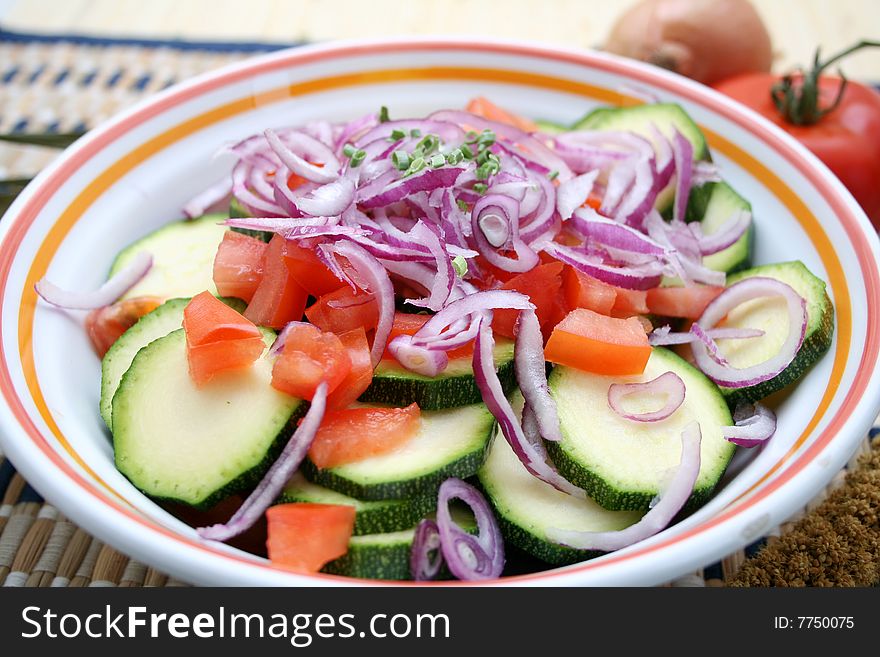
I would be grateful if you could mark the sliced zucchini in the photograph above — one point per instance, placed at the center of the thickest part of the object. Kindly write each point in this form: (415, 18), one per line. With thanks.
(393, 384)
(183, 258)
(192, 445)
(236, 209)
(551, 127)
(450, 443)
(713, 204)
(152, 326)
(387, 556)
(376, 517)
(623, 464)
(526, 508)
(769, 315)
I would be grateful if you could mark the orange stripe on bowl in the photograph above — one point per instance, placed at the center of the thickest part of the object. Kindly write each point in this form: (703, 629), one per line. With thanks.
(812, 226)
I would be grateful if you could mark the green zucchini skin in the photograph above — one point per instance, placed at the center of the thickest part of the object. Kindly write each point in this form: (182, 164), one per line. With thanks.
(394, 385)
(818, 336)
(237, 211)
(373, 517)
(154, 325)
(161, 476)
(451, 443)
(621, 463)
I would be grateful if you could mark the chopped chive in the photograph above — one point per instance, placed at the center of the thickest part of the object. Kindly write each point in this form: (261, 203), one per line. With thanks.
(428, 143)
(460, 265)
(415, 132)
(357, 158)
(461, 205)
(348, 150)
(400, 160)
(417, 165)
(383, 115)
(470, 137)
(397, 134)
(552, 175)
(486, 138)
(438, 161)
(467, 152)
(454, 157)
(480, 188)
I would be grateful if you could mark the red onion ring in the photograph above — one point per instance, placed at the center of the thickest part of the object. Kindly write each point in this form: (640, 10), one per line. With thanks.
(120, 283)
(211, 198)
(573, 193)
(668, 383)
(663, 336)
(658, 517)
(425, 542)
(531, 375)
(297, 141)
(641, 277)
(754, 425)
(727, 235)
(469, 557)
(740, 292)
(279, 474)
(709, 343)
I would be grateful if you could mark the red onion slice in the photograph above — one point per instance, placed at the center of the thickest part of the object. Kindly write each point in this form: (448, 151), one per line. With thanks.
(671, 501)
(328, 200)
(293, 145)
(755, 424)
(683, 154)
(494, 218)
(709, 343)
(531, 375)
(663, 336)
(374, 279)
(740, 292)
(427, 361)
(642, 277)
(208, 200)
(444, 281)
(573, 193)
(727, 235)
(469, 557)
(425, 181)
(422, 565)
(121, 282)
(669, 384)
(592, 225)
(487, 381)
(273, 482)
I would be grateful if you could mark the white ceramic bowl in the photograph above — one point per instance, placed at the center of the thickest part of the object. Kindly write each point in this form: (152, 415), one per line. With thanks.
(134, 173)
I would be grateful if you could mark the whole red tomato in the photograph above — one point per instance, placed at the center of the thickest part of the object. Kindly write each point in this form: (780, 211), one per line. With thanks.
(846, 138)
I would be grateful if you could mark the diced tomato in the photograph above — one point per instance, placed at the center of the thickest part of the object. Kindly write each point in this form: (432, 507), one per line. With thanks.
(583, 291)
(304, 537)
(595, 343)
(689, 302)
(218, 338)
(343, 310)
(309, 357)
(104, 325)
(593, 202)
(238, 265)
(409, 324)
(305, 267)
(360, 376)
(629, 303)
(542, 284)
(355, 434)
(278, 298)
(488, 110)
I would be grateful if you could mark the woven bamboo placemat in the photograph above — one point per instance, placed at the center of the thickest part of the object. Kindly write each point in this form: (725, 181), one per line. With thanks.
(53, 84)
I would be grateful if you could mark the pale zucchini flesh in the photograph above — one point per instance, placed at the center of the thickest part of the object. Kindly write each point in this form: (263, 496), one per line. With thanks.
(192, 445)
(623, 464)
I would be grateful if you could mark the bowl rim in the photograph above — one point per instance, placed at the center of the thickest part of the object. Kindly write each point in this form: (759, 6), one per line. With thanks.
(117, 526)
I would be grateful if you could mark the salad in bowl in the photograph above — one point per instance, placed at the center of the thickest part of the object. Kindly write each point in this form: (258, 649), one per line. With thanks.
(459, 345)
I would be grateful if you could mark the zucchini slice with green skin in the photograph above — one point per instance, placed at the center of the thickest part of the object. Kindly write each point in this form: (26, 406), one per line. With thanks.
(373, 517)
(237, 210)
(770, 316)
(395, 385)
(622, 464)
(183, 258)
(526, 508)
(152, 326)
(450, 443)
(551, 127)
(386, 556)
(713, 204)
(191, 445)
